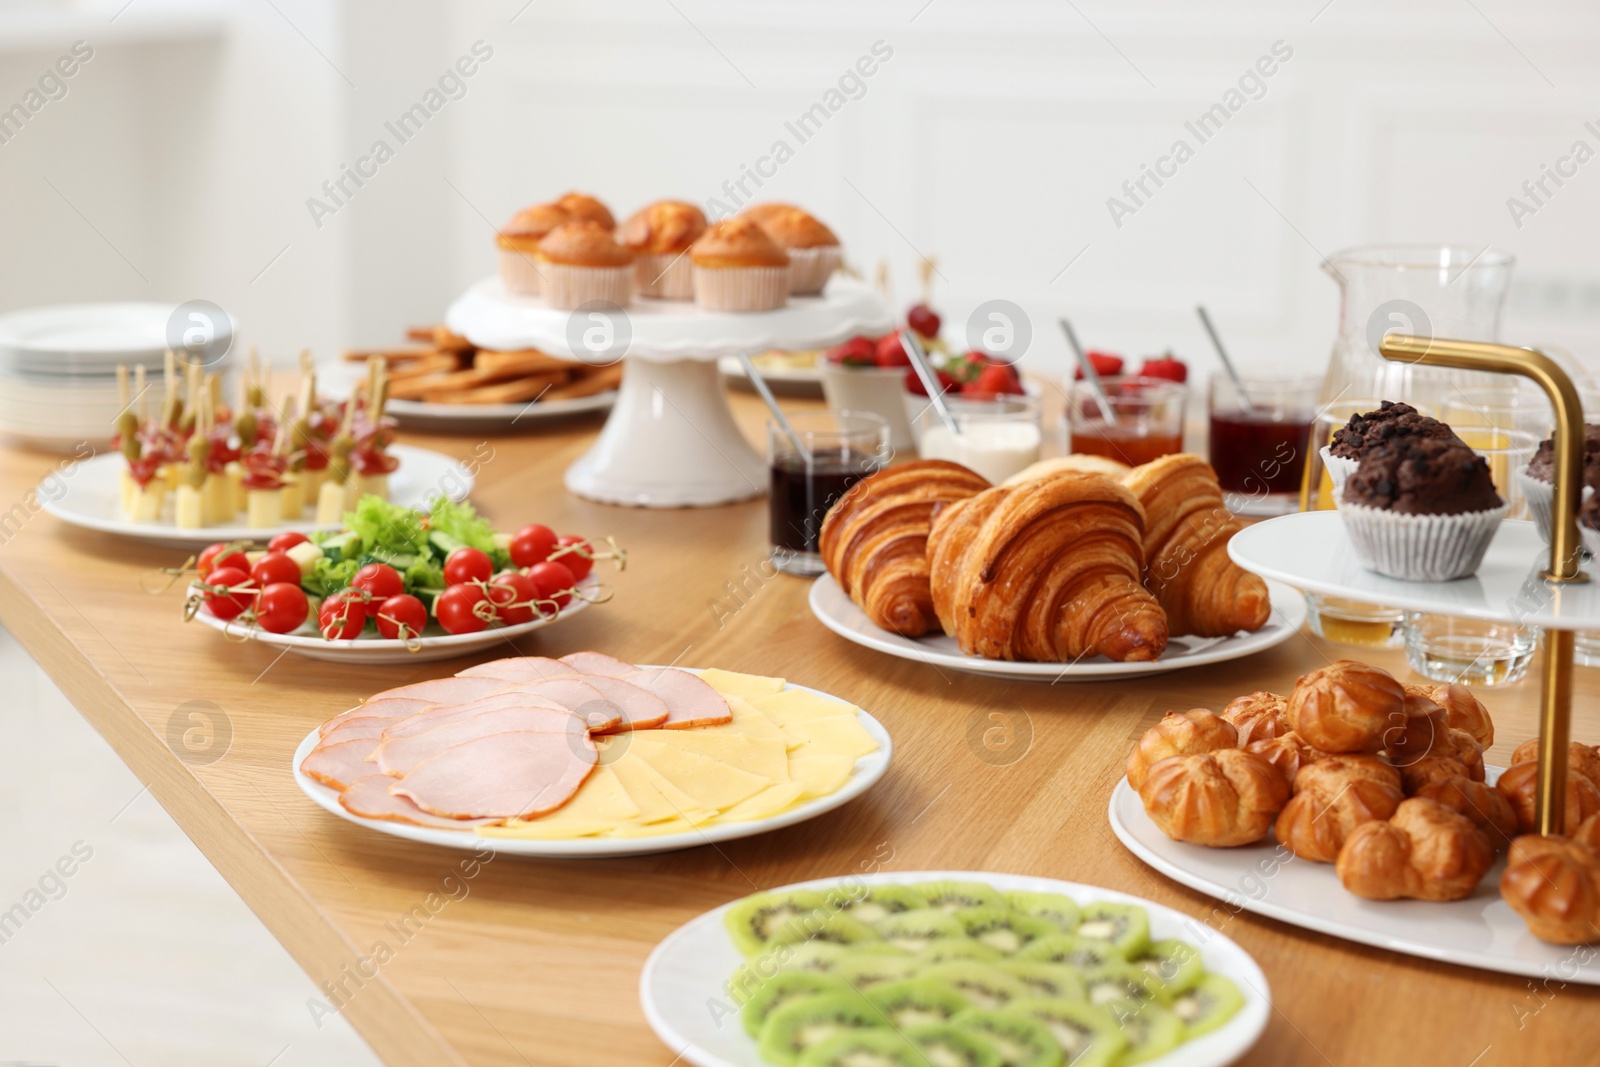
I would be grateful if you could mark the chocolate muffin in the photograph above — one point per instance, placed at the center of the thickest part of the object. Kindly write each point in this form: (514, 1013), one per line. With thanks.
(1422, 476)
(1390, 421)
(1542, 466)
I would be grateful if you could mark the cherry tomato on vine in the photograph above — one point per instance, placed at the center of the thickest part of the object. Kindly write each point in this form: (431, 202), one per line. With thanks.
(281, 607)
(580, 560)
(467, 565)
(464, 609)
(221, 601)
(554, 581)
(287, 540)
(222, 554)
(379, 580)
(532, 544)
(401, 617)
(275, 567)
(343, 615)
(515, 597)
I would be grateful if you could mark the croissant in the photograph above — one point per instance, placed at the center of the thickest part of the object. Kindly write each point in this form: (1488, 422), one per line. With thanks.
(1331, 798)
(1425, 852)
(874, 540)
(1425, 732)
(1178, 734)
(1465, 711)
(1554, 884)
(1221, 798)
(1346, 707)
(1486, 806)
(1287, 752)
(1257, 716)
(1047, 571)
(1519, 784)
(1581, 759)
(1187, 530)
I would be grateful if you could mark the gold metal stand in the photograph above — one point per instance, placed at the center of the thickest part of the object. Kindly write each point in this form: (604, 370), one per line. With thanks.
(1565, 547)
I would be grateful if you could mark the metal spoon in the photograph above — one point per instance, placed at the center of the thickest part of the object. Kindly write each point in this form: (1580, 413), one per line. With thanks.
(1090, 375)
(930, 380)
(778, 416)
(1222, 353)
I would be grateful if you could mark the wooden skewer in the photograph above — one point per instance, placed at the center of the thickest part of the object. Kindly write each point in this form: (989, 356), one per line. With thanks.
(169, 390)
(139, 394)
(122, 385)
(285, 426)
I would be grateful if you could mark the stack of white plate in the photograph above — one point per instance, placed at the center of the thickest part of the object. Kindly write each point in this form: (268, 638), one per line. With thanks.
(58, 368)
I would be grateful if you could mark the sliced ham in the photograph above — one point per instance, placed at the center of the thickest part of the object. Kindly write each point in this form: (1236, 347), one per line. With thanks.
(441, 714)
(690, 702)
(575, 694)
(357, 729)
(396, 708)
(641, 709)
(370, 798)
(518, 669)
(398, 755)
(598, 663)
(500, 776)
(340, 764)
(443, 690)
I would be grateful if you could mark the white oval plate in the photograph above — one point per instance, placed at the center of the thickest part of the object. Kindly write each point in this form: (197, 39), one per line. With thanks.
(840, 614)
(1480, 931)
(421, 415)
(93, 499)
(683, 979)
(867, 771)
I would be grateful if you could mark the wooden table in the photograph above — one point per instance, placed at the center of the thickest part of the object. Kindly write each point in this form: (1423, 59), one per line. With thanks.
(526, 962)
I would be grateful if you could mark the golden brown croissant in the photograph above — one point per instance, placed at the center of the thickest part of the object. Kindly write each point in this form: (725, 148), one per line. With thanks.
(1287, 752)
(1257, 716)
(1426, 732)
(1179, 734)
(1331, 798)
(1520, 785)
(1485, 805)
(874, 540)
(1465, 711)
(1581, 759)
(1187, 530)
(1554, 884)
(1221, 798)
(1047, 571)
(1346, 707)
(1425, 852)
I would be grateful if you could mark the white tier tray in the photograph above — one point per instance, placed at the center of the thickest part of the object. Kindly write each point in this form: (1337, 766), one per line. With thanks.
(1311, 551)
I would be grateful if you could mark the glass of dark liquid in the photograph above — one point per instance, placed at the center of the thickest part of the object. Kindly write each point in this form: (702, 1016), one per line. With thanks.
(813, 462)
(1260, 439)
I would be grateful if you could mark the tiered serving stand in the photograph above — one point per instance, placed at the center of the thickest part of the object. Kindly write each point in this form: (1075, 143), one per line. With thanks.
(1517, 582)
(671, 440)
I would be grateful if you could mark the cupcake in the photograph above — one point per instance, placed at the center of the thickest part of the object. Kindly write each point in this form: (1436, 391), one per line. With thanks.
(1589, 522)
(1422, 509)
(660, 236)
(814, 252)
(582, 262)
(519, 243)
(1369, 429)
(586, 208)
(1537, 478)
(737, 267)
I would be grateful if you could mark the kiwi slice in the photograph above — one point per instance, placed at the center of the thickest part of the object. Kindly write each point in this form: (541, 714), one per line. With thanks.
(953, 896)
(910, 1002)
(813, 957)
(1063, 911)
(753, 921)
(1088, 1037)
(952, 949)
(1004, 929)
(1150, 1029)
(913, 930)
(782, 988)
(835, 929)
(1123, 925)
(1023, 1041)
(985, 985)
(1121, 981)
(944, 1045)
(865, 969)
(1071, 950)
(878, 902)
(819, 956)
(1175, 964)
(799, 1024)
(1207, 1005)
(1046, 979)
(864, 1048)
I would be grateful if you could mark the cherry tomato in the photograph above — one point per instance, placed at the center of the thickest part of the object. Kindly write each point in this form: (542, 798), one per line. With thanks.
(273, 568)
(223, 554)
(380, 580)
(221, 602)
(458, 611)
(343, 615)
(281, 607)
(579, 557)
(402, 617)
(532, 544)
(554, 582)
(467, 565)
(515, 596)
(287, 540)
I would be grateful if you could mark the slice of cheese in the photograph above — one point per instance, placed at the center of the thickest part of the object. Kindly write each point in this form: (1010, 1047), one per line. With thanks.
(796, 706)
(711, 784)
(656, 798)
(840, 735)
(599, 805)
(765, 804)
(820, 774)
(766, 756)
(656, 829)
(731, 684)
(747, 722)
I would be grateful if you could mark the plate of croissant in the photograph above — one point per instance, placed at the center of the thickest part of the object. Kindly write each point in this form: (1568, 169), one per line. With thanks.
(1361, 807)
(1077, 568)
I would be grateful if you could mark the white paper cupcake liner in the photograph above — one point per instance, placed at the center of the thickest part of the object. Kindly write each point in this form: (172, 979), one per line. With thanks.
(1541, 496)
(1421, 548)
(810, 268)
(664, 276)
(1339, 468)
(741, 288)
(519, 272)
(568, 286)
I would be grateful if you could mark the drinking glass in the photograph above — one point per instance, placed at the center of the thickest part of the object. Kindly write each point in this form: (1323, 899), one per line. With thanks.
(995, 437)
(1469, 651)
(828, 453)
(1145, 422)
(1259, 440)
(1522, 410)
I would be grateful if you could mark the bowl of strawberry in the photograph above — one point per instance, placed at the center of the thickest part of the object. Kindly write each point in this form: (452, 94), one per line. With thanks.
(864, 374)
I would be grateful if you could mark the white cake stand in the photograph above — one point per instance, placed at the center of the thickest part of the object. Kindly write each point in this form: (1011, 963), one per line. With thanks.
(671, 441)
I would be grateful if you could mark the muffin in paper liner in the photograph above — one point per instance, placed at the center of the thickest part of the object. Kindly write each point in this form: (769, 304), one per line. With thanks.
(1591, 543)
(1541, 496)
(1339, 468)
(1421, 548)
(520, 272)
(664, 276)
(810, 268)
(741, 288)
(568, 286)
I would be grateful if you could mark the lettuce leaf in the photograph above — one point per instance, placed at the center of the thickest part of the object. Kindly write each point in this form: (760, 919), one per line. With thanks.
(387, 530)
(463, 523)
(424, 576)
(328, 577)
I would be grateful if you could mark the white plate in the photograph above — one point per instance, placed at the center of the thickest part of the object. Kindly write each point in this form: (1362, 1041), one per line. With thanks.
(683, 978)
(839, 614)
(473, 417)
(93, 499)
(805, 381)
(1480, 931)
(369, 648)
(868, 770)
(92, 338)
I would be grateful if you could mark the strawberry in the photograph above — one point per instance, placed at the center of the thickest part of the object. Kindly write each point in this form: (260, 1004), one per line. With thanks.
(1165, 366)
(947, 384)
(1105, 364)
(967, 367)
(891, 353)
(994, 379)
(924, 320)
(856, 352)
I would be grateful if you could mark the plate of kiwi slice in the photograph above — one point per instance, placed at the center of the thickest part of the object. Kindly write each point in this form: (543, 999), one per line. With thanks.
(951, 969)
